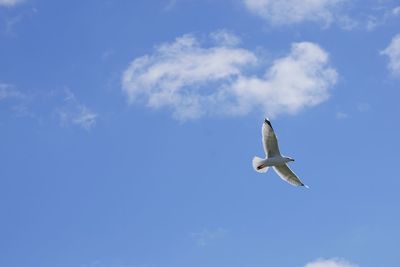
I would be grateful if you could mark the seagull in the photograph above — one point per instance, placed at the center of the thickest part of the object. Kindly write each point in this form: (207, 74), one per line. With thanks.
(274, 158)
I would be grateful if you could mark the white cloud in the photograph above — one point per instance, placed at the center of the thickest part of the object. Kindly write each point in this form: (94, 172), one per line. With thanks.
(299, 80)
(193, 80)
(330, 263)
(393, 52)
(9, 3)
(172, 76)
(294, 11)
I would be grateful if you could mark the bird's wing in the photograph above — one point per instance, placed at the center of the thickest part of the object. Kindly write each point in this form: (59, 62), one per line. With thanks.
(288, 175)
(269, 139)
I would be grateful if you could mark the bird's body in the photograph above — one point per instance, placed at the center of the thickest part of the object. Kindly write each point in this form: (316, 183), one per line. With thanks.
(273, 161)
(274, 158)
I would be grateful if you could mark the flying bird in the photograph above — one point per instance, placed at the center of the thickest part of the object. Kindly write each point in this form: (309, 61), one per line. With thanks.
(274, 158)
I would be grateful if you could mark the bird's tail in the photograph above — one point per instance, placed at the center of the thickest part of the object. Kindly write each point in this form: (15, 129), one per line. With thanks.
(258, 165)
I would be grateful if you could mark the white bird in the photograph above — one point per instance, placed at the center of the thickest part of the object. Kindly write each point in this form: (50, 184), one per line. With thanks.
(274, 158)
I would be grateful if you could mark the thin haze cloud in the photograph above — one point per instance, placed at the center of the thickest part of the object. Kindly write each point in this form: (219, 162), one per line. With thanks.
(340, 115)
(204, 237)
(396, 11)
(194, 80)
(10, 3)
(73, 112)
(330, 263)
(61, 103)
(8, 91)
(322, 12)
(295, 11)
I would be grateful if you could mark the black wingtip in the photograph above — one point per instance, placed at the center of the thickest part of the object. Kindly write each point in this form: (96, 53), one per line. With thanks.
(306, 186)
(266, 120)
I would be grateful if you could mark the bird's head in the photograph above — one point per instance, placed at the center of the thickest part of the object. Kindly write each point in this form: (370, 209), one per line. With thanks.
(289, 159)
(266, 121)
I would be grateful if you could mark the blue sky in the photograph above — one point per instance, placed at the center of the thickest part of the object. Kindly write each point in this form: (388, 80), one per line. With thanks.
(128, 128)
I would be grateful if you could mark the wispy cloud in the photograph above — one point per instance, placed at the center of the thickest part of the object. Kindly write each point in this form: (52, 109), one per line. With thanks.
(363, 107)
(115, 263)
(195, 80)
(10, 3)
(340, 115)
(60, 102)
(73, 112)
(11, 20)
(347, 22)
(330, 263)
(381, 16)
(371, 18)
(226, 38)
(323, 12)
(107, 54)
(396, 11)
(170, 4)
(393, 53)
(204, 237)
(295, 11)
(15, 100)
(9, 91)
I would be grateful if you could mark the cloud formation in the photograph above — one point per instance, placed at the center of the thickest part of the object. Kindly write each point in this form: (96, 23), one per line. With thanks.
(379, 16)
(340, 115)
(294, 11)
(8, 91)
(173, 75)
(10, 3)
(62, 104)
(330, 263)
(73, 112)
(195, 80)
(393, 53)
(396, 11)
(323, 12)
(204, 237)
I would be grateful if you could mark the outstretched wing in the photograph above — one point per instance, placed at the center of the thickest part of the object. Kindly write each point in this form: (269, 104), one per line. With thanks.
(269, 139)
(288, 175)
